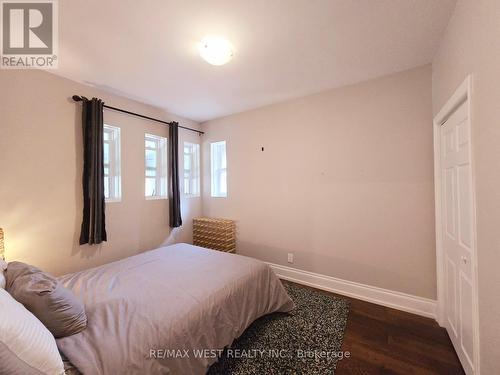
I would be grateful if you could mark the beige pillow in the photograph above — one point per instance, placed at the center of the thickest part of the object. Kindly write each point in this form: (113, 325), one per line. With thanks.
(53, 304)
(26, 346)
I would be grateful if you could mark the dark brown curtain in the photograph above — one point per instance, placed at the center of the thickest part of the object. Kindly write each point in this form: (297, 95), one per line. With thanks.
(94, 222)
(174, 194)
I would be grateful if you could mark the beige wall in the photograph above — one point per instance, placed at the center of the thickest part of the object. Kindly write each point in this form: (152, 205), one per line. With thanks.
(41, 168)
(345, 182)
(471, 45)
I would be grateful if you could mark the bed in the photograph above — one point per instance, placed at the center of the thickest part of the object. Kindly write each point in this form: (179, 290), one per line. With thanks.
(168, 310)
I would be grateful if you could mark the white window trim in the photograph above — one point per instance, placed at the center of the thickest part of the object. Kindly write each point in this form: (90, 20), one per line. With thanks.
(212, 170)
(114, 167)
(197, 172)
(161, 165)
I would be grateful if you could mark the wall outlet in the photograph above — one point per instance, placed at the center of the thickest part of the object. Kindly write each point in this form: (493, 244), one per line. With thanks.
(290, 257)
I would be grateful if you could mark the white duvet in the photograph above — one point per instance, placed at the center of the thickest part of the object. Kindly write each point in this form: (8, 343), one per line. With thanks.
(167, 311)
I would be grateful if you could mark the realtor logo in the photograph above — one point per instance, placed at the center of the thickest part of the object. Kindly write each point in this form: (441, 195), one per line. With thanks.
(29, 34)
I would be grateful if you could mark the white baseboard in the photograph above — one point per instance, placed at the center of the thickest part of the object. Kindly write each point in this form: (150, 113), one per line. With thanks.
(396, 300)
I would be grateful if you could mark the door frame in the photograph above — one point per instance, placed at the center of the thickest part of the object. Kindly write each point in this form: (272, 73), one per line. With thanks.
(461, 95)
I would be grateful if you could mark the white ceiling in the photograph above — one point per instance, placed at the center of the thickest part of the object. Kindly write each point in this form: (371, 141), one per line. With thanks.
(146, 50)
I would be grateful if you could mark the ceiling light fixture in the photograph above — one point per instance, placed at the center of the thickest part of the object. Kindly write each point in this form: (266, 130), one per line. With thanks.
(216, 50)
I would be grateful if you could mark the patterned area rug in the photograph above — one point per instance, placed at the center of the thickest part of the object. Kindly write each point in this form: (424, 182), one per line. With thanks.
(305, 341)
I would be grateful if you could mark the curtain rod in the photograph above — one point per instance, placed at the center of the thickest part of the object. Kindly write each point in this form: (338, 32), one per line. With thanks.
(78, 98)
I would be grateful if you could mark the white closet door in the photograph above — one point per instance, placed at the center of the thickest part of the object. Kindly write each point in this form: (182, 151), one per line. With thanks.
(457, 233)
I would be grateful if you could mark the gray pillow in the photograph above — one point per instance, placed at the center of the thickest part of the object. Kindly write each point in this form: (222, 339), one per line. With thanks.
(53, 304)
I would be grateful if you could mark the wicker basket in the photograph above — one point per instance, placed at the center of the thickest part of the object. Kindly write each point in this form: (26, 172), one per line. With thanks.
(216, 234)
(2, 254)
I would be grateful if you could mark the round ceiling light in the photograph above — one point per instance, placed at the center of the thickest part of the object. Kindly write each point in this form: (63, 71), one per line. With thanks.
(215, 50)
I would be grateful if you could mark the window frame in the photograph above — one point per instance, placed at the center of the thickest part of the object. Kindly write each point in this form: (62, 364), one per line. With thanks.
(194, 173)
(218, 171)
(114, 164)
(161, 169)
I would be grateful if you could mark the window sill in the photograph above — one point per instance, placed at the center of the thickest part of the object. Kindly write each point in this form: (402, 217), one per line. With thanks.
(113, 200)
(155, 198)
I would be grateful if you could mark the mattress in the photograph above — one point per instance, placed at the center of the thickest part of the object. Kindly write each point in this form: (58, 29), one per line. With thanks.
(169, 310)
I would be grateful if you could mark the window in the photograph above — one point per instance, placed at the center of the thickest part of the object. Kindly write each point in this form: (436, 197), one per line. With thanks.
(218, 168)
(191, 169)
(111, 158)
(156, 167)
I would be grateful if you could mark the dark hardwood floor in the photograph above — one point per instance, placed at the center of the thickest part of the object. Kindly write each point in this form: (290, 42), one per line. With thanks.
(382, 340)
